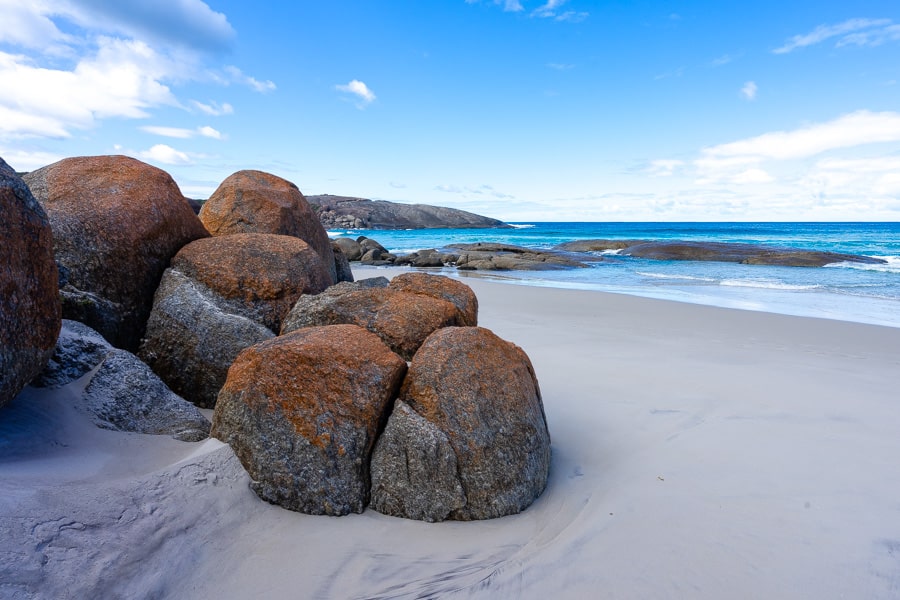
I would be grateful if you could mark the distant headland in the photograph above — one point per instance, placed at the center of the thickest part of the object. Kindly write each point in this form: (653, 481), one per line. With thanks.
(344, 212)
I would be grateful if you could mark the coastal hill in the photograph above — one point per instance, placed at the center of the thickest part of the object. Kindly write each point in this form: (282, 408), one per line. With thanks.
(343, 212)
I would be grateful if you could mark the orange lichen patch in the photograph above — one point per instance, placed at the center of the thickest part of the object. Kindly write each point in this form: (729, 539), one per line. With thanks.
(443, 288)
(319, 379)
(259, 202)
(256, 269)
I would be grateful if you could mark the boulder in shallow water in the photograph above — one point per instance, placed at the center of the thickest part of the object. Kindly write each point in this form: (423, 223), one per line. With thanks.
(302, 412)
(29, 293)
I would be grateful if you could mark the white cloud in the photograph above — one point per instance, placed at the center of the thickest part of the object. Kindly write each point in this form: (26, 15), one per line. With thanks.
(664, 168)
(508, 5)
(874, 37)
(749, 91)
(752, 176)
(466, 191)
(213, 109)
(237, 76)
(166, 155)
(21, 160)
(24, 25)
(854, 129)
(182, 133)
(847, 29)
(722, 60)
(550, 10)
(360, 90)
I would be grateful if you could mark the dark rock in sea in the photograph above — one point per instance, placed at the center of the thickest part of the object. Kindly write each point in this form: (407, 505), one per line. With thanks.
(78, 350)
(341, 212)
(749, 254)
(259, 202)
(415, 474)
(342, 270)
(504, 257)
(302, 412)
(350, 247)
(443, 288)
(29, 286)
(401, 319)
(116, 224)
(596, 245)
(480, 392)
(427, 258)
(125, 395)
(193, 336)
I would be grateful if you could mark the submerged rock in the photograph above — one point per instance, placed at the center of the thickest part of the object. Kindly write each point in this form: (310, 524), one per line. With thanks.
(29, 286)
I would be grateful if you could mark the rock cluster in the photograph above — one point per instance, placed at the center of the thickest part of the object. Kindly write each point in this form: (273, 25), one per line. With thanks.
(466, 439)
(29, 296)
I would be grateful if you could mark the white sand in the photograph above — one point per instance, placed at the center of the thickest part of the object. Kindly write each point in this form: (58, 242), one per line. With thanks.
(697, 453)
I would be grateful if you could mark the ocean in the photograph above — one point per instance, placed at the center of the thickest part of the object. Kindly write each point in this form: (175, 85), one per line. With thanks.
(850, 292)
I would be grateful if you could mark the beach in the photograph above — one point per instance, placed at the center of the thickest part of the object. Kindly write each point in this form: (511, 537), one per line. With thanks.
(697, 452)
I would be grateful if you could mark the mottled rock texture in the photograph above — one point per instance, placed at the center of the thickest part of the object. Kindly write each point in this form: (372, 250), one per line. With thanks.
(415, 474)
(193, 336)
(505, 257)
(342, 270)
(116, 224)
(401, 319)
(259, 202)
(29, 293)
(342, 212)
(443, 288)
(350, 247)
(125, 395)
(259, 275)
(302, 412)
(482, 394)
(78, 350)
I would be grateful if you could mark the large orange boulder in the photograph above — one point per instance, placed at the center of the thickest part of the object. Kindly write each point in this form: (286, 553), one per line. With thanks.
(302, 411)
(29, 294)
(259, 202)
(116, 224)
(402, 320)
(221, 295)
(468, 439)
(444, 288)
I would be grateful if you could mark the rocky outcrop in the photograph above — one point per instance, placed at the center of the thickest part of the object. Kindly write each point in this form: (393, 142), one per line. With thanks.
(116, 224)
(302, 412)
(78, 350)
(430, 257)
(193, 336)
(125, 395)
(443, 288)
(350, 247)
(342, 270)
(748, 254)
(342, 212)
(505, 257)
(259, 202)
(257, 275)
(479, 394)
(29, 292)
(402, 320)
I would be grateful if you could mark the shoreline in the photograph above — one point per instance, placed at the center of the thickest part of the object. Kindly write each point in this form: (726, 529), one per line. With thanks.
(697, 452)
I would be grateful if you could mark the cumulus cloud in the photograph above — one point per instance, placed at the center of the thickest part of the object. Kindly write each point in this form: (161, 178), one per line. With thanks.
(359, 89)
(748, 91)
(167, 155)
(852, 31)
(77, 62)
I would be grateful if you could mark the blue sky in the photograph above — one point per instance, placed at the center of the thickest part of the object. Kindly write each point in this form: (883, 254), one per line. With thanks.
(522, 110)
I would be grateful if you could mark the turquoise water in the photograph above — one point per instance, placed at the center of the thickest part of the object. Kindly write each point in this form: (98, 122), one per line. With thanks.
(861, 293)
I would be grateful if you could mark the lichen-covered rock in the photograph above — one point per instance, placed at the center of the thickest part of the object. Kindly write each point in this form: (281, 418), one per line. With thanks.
(116, 224)
(443, 288)
(302, 412)
(78, 350)
(125, 395)
(414, 469)
(482, 394)
(259, 275)
(401, 319)
(29, 293)
(193, 336)
(259, 202)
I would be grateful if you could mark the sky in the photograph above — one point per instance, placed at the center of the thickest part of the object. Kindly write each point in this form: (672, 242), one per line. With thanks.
(545, 110)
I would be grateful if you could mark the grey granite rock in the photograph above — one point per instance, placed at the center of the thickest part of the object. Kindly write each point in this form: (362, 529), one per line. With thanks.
(342, 212)
(78, 350)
